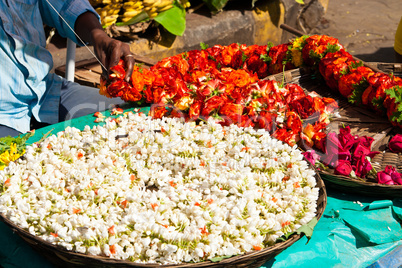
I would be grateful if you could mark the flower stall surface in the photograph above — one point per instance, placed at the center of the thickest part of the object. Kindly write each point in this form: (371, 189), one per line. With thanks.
(232, 87)
(228, 83)
(318, 250)
(142, 190)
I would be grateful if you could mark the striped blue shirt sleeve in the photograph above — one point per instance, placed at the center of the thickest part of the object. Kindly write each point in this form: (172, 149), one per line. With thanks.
(63, 14)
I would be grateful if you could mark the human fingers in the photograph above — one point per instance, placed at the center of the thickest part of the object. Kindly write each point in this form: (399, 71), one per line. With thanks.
(130, 61)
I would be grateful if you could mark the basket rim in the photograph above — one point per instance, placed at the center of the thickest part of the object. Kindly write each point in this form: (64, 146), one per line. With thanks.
(359, 181)
(277, 247)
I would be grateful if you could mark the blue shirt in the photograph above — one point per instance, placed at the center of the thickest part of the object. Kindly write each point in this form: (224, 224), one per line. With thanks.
(26, 86)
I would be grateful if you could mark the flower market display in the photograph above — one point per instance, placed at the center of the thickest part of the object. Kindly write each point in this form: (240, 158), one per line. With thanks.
(198, 82)
(352, 156)
(227, 83)
(160, 190)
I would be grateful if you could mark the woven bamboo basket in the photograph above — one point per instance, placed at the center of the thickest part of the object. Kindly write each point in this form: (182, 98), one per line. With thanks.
(61, 257)
(362, 122)
(369, 186)
(360, 186)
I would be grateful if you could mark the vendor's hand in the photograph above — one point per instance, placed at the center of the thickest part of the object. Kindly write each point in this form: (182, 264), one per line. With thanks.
(108, 50)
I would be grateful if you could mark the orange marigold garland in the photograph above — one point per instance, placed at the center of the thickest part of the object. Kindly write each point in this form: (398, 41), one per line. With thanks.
(225, 82)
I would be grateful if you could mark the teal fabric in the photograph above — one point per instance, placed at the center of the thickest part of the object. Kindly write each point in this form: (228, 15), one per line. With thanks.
(353, 232)
(348, 234)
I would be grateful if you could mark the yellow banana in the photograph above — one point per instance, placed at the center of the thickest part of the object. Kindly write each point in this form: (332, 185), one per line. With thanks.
(133, 5)
(165, 8)
(150, 3)
(131, 13)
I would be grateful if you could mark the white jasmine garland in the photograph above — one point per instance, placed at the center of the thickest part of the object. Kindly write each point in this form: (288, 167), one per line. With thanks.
(161, 190)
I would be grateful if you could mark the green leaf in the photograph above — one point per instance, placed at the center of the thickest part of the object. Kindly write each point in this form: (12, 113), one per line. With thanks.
(269, 46)
(173, 20)
(332, 48)
(265, 58)
(301, 2)
(138, 18)
(218, 259)
(306, 229)
(20, 141)
(215, 5)
(203, 46)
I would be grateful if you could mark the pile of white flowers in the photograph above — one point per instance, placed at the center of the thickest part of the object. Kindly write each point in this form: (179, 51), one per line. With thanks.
(163, 191)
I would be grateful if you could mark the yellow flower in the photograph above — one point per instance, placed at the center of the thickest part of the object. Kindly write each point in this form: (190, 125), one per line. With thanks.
(184, 102)
(297, 58)
(10, 155)
(299, 42)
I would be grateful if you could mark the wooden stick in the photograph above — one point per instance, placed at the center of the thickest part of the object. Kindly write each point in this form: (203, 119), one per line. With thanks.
(291, 30)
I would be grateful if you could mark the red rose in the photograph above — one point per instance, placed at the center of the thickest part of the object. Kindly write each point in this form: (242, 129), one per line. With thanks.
(212, 104)
(384, 178)
(195, 110)
(395, 144)
(344, 168)
(362, 167)
(303, 106)
(389, 176)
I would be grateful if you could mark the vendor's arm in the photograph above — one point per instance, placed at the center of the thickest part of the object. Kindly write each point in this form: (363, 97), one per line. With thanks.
(80, 16)
(107, 49)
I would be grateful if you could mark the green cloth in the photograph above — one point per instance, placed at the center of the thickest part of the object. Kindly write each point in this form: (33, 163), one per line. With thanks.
(348, 234)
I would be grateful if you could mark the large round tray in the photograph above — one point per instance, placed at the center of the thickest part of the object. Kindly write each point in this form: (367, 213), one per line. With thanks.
(61, 257)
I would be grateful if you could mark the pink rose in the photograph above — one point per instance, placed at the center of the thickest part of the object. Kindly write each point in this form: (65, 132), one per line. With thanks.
(365, 141)
(389, 176)
(360, 151)
(343, 168)
(332, 150)
(345, 138)
(311, 156)
(384, 178)
(396, 177)
(362, 167)
(395, 144)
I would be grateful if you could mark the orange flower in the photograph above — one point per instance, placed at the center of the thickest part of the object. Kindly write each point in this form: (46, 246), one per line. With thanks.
(307, 136)
(158, 111)
(265, 120)
(177, 62)
(228, 52)
(195, 110)
(212, 104)
(148, 76)
(117, 71)
(184, 102)
(103, 88)
(239, 78)
(293, 122)
(111, 230)
(231, 110)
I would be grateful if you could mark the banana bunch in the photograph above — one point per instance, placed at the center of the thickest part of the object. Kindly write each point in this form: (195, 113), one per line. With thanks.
(109, 13)
(184, 3)
(96, 3)
(131, 9)
(112, 11)
(154, 7)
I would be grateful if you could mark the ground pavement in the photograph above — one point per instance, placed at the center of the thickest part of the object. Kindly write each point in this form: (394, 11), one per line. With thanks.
(365, 27)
